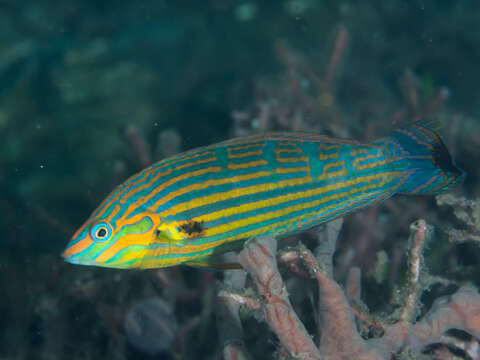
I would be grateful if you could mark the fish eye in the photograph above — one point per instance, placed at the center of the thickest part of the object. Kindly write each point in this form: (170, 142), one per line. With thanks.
(100, 231)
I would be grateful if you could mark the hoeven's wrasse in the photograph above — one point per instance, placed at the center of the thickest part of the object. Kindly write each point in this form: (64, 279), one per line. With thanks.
(192, 206)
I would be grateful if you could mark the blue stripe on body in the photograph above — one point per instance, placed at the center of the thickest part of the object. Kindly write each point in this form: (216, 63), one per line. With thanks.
(316, 216)
(276, 207)
(218, 176)
(228, 203)
(314, 209)
(261, 195)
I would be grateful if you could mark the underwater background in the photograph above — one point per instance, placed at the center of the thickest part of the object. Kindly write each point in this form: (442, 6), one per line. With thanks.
(93, 91)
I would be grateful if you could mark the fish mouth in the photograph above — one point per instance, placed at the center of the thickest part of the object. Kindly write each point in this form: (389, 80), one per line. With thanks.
(76, 260)
(71, 260)
(67, 256)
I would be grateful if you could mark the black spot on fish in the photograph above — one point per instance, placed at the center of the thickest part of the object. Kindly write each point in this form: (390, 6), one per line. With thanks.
(192, 228)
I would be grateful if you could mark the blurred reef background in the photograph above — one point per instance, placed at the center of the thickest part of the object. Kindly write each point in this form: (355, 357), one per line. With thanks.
(91, 92)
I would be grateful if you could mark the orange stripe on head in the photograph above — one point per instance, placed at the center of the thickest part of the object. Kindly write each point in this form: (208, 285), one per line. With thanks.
(77, 247)
(122, 243)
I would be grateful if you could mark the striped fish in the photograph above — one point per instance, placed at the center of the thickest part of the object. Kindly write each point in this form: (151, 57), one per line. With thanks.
(192, 206)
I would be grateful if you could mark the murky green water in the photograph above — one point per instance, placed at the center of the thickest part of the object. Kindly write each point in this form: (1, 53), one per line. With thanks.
(91, 93)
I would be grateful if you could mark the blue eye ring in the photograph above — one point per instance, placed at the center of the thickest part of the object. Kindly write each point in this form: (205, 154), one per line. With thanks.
(101, 231)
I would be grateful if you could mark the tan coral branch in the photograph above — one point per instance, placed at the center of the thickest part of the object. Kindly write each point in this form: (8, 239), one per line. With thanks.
(259, 259)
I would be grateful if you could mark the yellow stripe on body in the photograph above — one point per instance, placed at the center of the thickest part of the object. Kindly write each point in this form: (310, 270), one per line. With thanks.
(242, 191)
(191, 248)
(288, 150)
(153, 169)
(135, 190)
(204, 185)
(292, 159)
(187, 157)
(209, 170)
(362, 150)
(374, 164)
(235, 166)
(287, 170)
(329, 146)
(285, 198)
(257, 205)
(234, 148)
(215, 182)
(326, 174)
(243, 155)
(126, 193)
(197, 162)
(134, 205)
(130, 190)
(209, 199)
(358, 160)
(328, 156)
(147, 185)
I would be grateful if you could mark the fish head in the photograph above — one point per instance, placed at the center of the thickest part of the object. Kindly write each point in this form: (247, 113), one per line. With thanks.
(138, 241)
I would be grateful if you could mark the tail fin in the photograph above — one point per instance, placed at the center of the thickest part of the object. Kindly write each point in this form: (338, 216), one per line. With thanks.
(430, 167)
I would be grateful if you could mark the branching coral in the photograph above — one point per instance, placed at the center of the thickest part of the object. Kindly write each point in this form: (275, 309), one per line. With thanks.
(338, 334)
(467, 212)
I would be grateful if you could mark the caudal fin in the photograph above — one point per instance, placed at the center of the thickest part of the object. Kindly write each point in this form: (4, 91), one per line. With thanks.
(430, 168)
